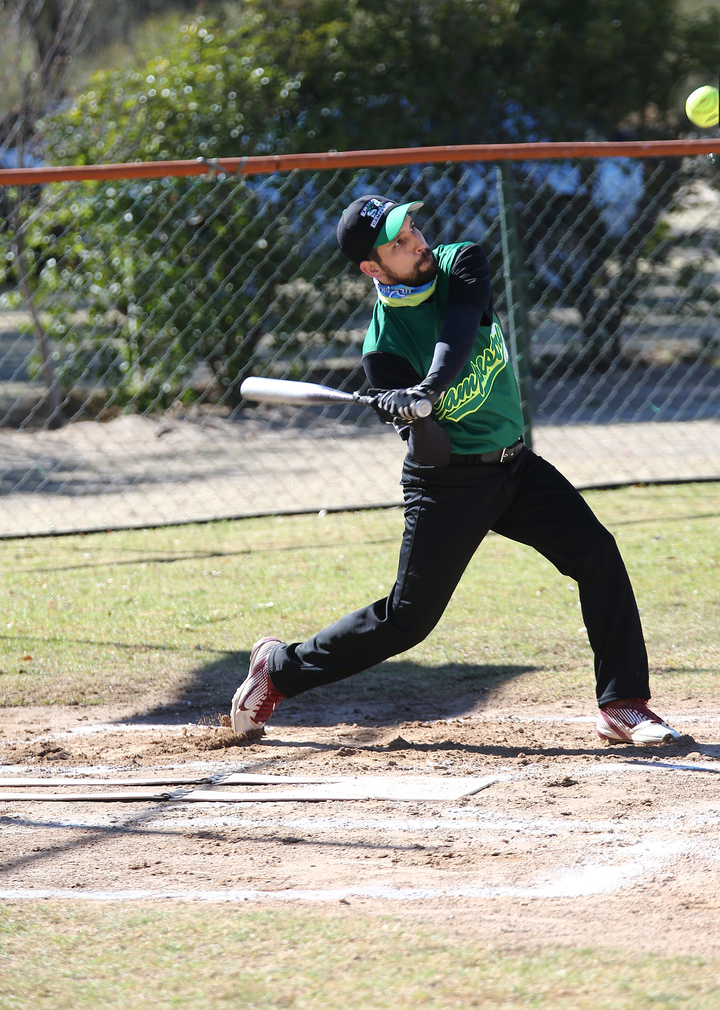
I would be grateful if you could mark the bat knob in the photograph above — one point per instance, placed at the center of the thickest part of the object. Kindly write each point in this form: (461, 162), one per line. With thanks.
(422, 408)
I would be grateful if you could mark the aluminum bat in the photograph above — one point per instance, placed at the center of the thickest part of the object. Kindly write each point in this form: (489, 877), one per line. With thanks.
(310, 394)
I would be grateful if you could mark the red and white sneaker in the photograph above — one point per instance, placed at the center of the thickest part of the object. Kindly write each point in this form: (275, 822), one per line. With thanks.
(631, 721)
(256, 699)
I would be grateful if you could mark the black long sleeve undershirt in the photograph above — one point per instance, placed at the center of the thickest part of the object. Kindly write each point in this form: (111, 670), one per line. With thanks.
(452, 350)
(470, 304)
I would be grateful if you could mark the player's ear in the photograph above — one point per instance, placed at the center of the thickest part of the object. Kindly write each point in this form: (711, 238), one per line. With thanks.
(371, 268)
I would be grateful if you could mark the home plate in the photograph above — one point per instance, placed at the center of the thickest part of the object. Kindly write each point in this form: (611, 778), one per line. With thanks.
(361, 787)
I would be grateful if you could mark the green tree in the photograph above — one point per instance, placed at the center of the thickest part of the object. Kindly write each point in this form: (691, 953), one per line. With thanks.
(298, 75)
(143, 280)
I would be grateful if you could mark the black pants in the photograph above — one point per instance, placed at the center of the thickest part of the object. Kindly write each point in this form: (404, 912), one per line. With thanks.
(448, 511)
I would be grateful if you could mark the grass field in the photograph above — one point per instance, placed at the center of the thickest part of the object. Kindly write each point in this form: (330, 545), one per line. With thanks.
(144, 617)
(72, 957)
(113, 617)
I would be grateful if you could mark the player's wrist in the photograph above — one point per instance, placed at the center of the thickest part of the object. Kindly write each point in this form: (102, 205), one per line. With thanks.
(428, 391)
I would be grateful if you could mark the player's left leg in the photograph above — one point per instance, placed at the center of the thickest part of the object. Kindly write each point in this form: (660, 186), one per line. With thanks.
(550, 515)
(447, 513)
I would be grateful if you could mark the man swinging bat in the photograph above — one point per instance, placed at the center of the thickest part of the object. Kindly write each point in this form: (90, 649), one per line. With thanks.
(434, 336)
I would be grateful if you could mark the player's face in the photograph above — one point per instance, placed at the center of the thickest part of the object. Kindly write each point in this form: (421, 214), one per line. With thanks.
(408, 259)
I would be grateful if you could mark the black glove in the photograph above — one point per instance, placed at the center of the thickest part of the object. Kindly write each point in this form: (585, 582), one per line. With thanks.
(398, 404)
(382, 414)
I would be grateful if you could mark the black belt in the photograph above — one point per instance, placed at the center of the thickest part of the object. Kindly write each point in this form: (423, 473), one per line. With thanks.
(498, 456)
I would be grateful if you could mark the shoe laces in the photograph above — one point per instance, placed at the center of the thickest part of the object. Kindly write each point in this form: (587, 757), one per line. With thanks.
(632, 711)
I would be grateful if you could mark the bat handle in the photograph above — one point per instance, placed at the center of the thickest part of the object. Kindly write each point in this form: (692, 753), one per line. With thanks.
(420, 408)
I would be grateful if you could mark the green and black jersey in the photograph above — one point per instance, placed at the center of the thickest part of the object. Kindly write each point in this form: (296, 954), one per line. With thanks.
(480, 409)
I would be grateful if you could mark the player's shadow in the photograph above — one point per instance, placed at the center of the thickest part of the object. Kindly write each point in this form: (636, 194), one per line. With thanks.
(395, 692)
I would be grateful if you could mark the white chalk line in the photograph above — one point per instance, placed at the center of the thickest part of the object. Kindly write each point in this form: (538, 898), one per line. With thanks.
(622, 762)
(584, 882)
(457, 820)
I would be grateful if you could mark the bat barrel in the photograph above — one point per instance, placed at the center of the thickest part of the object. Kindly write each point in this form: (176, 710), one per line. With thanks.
(286, 391)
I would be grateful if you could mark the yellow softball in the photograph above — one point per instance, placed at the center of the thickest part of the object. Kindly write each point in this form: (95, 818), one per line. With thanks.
(702, 106)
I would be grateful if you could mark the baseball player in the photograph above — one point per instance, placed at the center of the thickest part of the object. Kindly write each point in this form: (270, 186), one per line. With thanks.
(434, 336)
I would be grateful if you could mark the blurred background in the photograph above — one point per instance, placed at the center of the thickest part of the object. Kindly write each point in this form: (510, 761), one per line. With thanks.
(130, 311)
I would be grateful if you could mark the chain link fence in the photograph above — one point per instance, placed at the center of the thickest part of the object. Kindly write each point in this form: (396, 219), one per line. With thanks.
(131, 310)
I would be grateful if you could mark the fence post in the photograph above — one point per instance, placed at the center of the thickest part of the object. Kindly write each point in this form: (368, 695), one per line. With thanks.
(518, 329)
(53, 396)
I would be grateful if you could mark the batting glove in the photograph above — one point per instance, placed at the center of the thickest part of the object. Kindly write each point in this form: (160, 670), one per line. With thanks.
(401, 403)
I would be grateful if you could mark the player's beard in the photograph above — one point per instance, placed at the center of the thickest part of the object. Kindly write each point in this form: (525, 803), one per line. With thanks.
(425, 270)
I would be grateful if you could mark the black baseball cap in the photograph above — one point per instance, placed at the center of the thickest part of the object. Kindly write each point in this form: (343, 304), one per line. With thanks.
(369, 222)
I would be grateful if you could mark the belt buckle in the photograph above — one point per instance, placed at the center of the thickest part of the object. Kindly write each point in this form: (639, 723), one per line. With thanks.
(510, 451)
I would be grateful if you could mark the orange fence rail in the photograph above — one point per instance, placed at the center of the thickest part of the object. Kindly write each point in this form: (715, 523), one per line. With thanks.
(137, 304)
(263, 165)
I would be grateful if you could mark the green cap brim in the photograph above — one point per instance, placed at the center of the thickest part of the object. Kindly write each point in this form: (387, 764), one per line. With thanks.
(394, 221)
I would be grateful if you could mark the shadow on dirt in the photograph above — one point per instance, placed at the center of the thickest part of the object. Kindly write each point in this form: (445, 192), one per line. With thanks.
(394, 692)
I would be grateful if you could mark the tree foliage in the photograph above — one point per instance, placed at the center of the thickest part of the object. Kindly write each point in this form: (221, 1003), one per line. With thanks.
(298, 75)
(144, 280)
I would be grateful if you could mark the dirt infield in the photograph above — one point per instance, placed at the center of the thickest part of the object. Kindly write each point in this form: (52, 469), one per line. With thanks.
(571, 842)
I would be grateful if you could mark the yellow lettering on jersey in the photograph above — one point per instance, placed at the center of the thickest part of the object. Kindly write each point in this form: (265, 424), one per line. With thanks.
(471, 392)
